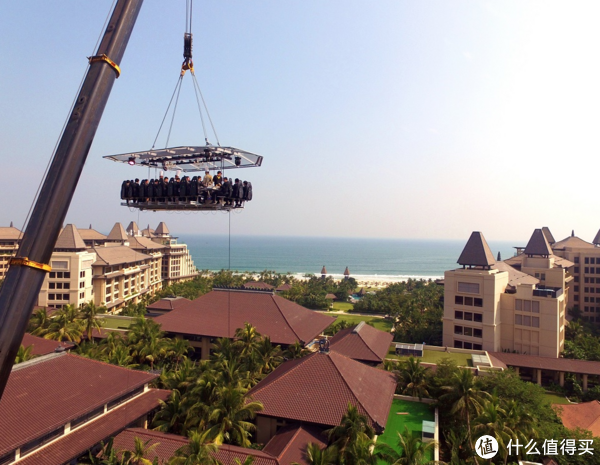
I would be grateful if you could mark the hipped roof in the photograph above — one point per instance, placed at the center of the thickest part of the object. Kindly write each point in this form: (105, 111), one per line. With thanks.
(9, 233)
(538, 245)
(70, 239)
(117, 233)
(477, 252)
(318, 387)
(162, 229)
(220, 313)
(548, 235)
(133, 228)
(117, 255)
(362, 342)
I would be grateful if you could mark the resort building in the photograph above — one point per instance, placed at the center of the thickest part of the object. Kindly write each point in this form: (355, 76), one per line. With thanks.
(286, 447)
(40, 427)
(9, 244)
(315, 390)
(177, 263)
(220, 312)
(363, 343)
(70, 281)
(107, 270)
(516, 305)
(585, 292)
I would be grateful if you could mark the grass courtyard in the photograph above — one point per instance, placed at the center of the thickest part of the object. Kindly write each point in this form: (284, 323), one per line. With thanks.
(416, 413)
(434, 356)
(554, 398)
(342, 306)
(379, 323)
(117, 323)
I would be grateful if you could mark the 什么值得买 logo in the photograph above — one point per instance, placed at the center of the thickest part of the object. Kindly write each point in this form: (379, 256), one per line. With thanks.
(486, 447)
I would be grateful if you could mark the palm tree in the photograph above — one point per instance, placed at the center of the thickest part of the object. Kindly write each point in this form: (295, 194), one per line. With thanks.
(354, 425)
(466, 398)
(269, 356)
(39, 322)
(413, 449)
(197, 451)
(229, 417)
(247, 339)
(296, 350)
(491, 421)
(140, 451)
(412, 377)
(64, 326)
(360, 452)
(89, 317)
(24, 354)
(177, 350)
(317, 456)
(173, 417)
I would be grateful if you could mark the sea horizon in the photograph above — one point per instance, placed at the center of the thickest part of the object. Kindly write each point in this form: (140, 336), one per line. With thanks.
(368, 259)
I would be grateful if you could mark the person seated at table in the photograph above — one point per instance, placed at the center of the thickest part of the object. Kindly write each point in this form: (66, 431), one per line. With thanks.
(218, 179)
(208, 179)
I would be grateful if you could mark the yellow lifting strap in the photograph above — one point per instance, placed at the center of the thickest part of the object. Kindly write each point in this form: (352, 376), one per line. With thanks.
(24, 261)
(187, 64)
(105, 59)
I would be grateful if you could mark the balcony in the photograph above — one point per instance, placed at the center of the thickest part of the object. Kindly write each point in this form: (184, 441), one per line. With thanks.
(552, 292)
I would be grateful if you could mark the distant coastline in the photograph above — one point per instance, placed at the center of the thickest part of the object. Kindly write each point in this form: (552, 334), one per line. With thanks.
(369, 260)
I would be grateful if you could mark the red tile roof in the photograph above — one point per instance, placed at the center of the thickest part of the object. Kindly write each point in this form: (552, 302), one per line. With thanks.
(47, 392)
(585, 415)
(81, 439)
(362, 342)
(41, 346)
(169, 443)
(289, 443)
(168, 303)
(284, 287)
(545, 363)
(220, 313)
(257, 285)
(317, 389)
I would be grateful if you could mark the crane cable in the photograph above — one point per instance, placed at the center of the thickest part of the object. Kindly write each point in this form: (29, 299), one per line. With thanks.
(188, 65)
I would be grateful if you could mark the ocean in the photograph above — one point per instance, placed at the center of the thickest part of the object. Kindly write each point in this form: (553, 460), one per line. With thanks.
(385, 260)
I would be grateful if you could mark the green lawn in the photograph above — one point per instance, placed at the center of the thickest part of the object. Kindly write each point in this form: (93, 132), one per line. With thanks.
(434, 356)
(417, 412)
(343, 306)
(117, 323)
(555, 398)
(379, 323)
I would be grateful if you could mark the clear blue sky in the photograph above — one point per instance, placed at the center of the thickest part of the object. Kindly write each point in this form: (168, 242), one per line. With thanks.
(376, 119)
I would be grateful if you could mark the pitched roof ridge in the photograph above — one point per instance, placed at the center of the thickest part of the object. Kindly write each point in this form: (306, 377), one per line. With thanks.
(346, 382)
(285, 318)
(157, 434)
(364, 341)
(289, 443)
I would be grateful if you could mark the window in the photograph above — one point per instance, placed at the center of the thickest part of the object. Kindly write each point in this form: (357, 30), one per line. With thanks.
(586, 269)
(469, 301)
(468, 316)
(52, 286)
(535, 306)
(527, 305)
(518, 304)
(458, 344)
(477, 347)
(576, 269)
(477, 317)
(576, 288)
(587, 260)
(467, 331)
(471, 288)
(586, 289)
(60, 265)
(478, 302)
(458, 330)
(518, 320)
(526, 320)
(576, 260)
(535, 321)
(458, 315)
(468, 345)
(543, 277)
(586, 280)
(51, 296)
(477, 332)
(81, 284)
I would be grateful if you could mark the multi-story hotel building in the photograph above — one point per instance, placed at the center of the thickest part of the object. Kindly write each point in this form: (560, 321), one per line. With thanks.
(107, 270)
(9, 243)
(516, 305)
